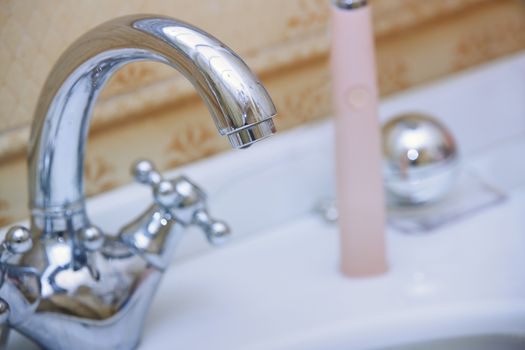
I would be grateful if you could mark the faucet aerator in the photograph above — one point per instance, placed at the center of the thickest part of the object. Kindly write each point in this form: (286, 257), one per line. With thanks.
(247, 136)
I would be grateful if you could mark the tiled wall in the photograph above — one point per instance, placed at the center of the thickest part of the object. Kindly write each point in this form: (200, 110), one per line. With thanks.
(147, 110)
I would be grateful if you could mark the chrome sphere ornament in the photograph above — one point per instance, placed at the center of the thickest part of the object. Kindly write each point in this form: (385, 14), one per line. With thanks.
(420, 159)
(18, 240)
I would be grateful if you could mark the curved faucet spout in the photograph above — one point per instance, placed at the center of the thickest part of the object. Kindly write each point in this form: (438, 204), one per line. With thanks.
(65, 283)
(238, 103)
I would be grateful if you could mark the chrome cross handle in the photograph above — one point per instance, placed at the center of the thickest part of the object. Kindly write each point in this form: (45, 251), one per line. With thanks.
(143, 247)
(176, 202)
(183, 199)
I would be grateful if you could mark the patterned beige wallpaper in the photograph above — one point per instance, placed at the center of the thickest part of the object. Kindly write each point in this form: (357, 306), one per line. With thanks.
(286, 42)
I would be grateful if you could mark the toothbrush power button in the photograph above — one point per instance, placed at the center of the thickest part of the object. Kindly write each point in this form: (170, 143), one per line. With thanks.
(358, 97)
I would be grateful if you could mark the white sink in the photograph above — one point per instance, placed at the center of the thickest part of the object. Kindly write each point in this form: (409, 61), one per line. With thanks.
(277, 284)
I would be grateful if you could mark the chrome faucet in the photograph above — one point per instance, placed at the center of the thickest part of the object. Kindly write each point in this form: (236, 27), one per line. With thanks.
(65, 283)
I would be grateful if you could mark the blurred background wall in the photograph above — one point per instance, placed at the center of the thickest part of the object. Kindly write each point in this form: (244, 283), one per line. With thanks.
(147, 110)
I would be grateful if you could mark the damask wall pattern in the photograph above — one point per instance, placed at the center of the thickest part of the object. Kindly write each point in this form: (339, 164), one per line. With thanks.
(147, 110)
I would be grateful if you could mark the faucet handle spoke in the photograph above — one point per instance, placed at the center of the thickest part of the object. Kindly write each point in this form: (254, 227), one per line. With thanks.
(18, 240)
(217, 232)
(144, 172)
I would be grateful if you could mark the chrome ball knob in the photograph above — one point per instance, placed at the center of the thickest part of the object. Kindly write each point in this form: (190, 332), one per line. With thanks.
(218, 232)
(144, 172)
(92, 238)
(189, 192)
(18, 240)
(420, 159)
(165, 193)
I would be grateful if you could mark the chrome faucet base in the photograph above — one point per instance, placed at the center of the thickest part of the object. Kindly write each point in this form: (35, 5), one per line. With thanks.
(84, 289)
(123, 330)
(65, 283)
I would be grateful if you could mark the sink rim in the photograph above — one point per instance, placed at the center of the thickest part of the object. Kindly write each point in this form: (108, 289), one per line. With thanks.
(421, 324)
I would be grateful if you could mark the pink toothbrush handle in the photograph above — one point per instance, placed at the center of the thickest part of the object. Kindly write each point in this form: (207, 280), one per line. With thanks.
(358, 146)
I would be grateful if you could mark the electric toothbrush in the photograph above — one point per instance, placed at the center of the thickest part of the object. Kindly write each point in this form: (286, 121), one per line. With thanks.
(360, 195)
